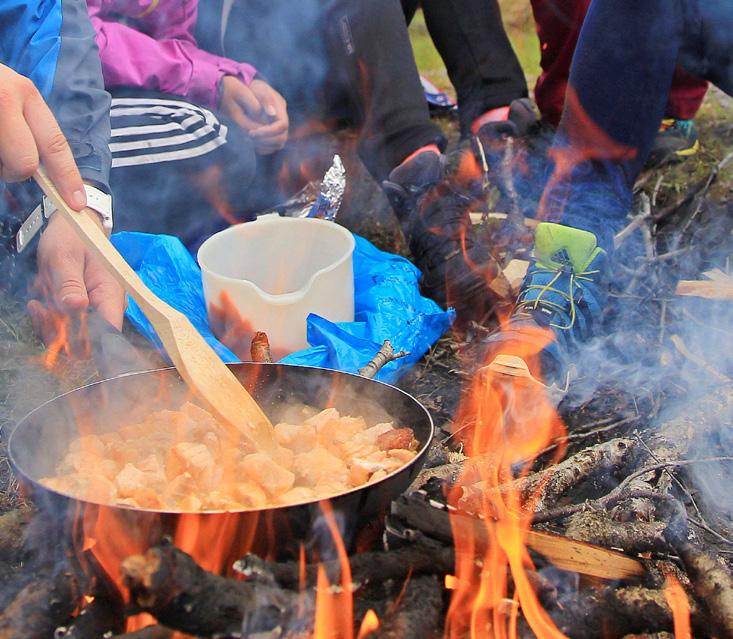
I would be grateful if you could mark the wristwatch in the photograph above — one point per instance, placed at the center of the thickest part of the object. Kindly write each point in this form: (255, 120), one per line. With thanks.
(97, 200)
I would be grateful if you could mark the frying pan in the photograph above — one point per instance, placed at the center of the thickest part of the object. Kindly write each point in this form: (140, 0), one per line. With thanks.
(41, 439)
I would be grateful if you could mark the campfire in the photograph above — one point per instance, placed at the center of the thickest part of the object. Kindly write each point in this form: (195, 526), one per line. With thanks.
(525, 520)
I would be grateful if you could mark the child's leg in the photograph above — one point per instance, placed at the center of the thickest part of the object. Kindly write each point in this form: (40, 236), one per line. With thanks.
(482, 66)
(708, 49)
(375, 82)
(176, 168)
(619, 83)
(558, 26)
(340, 61)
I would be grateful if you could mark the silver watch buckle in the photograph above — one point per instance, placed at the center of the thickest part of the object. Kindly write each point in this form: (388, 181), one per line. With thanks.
(29, 228)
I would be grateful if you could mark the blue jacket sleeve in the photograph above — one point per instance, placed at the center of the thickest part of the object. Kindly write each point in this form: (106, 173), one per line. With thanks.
(52, 42)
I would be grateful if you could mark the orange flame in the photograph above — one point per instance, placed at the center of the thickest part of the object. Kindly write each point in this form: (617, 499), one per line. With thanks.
(510, 423)
(680, 605)
(211, 183)
(369, 624)
(334, 616)
(70, 337)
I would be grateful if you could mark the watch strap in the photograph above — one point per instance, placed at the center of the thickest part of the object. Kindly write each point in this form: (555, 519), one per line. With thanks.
(97, 200)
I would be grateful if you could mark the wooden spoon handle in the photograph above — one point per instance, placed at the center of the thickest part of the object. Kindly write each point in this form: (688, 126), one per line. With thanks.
(195, 360)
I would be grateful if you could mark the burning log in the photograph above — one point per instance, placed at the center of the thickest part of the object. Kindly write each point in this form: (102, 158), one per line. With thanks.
(168, 584)
(97, 619)
(416, 512)
(710, 579)
(615, 612)
(713, 586)
(425, 556)
(556, 480)
(597, 527)
(40, 607)
(415, 615)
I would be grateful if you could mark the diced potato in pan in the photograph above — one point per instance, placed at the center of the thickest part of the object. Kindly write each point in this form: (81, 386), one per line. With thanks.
(186, 461)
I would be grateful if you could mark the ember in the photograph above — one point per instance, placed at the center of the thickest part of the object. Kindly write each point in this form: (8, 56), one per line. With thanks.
(170, 461)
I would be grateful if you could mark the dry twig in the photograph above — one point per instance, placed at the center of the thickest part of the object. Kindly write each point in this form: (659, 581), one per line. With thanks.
(384, 356)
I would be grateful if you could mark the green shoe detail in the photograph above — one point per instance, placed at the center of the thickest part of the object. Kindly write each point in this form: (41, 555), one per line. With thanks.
(559, 247)
(564, 291)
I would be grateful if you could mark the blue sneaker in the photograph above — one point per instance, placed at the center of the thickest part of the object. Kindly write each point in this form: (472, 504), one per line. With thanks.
(676, 141)
(559, 306)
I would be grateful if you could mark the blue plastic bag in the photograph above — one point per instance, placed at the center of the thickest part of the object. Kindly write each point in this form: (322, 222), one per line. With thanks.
(387, 302)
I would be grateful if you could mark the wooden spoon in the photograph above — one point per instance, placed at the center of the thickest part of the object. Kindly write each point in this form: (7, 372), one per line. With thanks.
(195, 360)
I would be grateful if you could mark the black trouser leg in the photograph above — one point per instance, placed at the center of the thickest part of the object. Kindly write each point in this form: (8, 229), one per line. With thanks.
(342, 60)
(188, 180)
(372, 42)
(481, 63)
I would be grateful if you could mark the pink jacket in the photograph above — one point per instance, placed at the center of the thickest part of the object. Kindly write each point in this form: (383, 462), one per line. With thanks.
(150, 44)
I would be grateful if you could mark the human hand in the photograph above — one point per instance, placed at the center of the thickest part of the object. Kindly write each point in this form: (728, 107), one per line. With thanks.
(259, 110)
(70, 279)
(29, 133)
(273, 135)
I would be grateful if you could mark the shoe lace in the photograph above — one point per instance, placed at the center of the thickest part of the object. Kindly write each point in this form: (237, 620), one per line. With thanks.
(575, 280)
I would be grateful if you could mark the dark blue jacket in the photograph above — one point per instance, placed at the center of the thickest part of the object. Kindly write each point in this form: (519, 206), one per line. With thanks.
(52, 42)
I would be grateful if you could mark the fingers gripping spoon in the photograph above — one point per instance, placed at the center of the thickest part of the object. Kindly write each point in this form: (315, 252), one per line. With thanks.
(200, 367)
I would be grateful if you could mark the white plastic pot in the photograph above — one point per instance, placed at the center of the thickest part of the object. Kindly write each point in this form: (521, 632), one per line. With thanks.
(276, 271)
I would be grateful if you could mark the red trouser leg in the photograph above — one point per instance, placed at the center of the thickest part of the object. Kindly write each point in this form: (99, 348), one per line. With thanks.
(688, 92)
(558, 26)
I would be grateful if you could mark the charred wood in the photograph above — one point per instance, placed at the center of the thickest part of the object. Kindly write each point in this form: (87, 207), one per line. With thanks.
(417, 513)
(168, 584)
(439, 455)
(674, 436)
(97, 619)
(423, 556)
(40, 607)
(712, 584)
(555, 481)
(615, 612)
(416, 614)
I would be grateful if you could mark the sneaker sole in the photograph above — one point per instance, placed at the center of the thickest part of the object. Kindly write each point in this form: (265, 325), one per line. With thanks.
(686, 153)
(674, 158)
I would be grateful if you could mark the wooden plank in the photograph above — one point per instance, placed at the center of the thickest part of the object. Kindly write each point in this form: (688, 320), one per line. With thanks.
(707, 289)
(515, 272)
(583, 558)
(434, 520)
